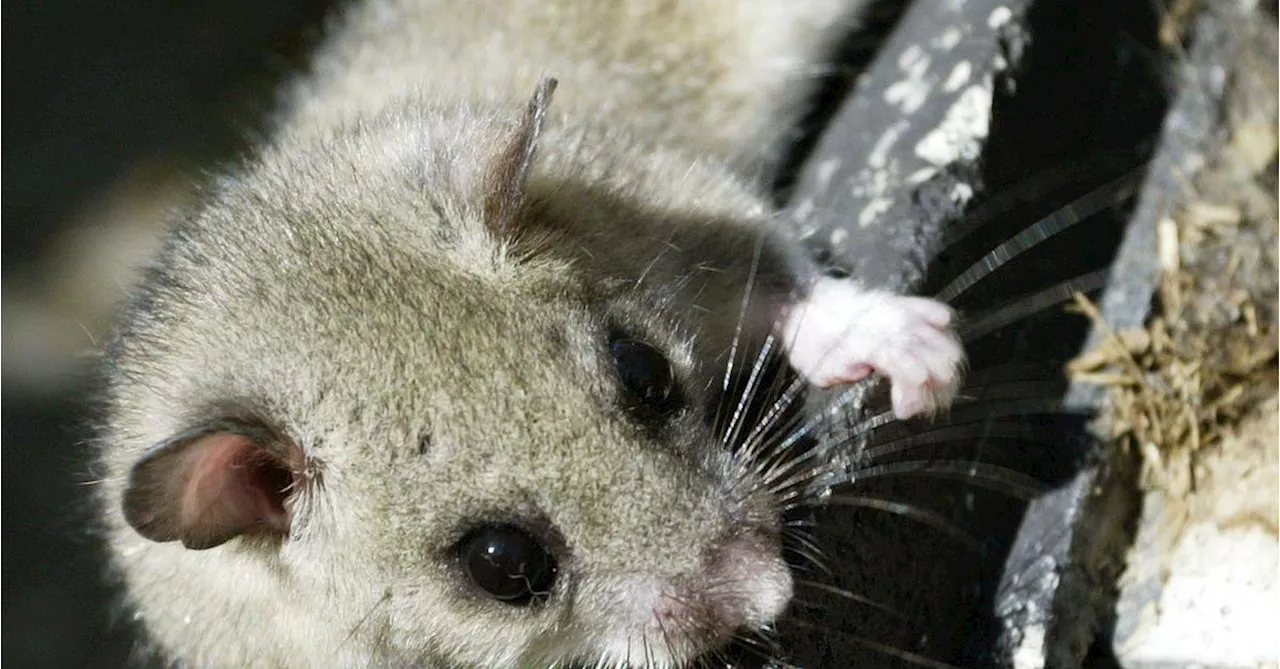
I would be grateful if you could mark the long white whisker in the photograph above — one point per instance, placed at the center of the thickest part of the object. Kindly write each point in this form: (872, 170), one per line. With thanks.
(758, 437)
(904, 655)
(851, 596)
(978, 326)
(1031, 236)
(744, 402)
(930, 518)
(757, 251)
(986, 475)
(1008, 430)
(1047, 180)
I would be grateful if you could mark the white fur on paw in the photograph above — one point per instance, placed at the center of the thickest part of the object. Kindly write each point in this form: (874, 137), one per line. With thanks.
(840, 333)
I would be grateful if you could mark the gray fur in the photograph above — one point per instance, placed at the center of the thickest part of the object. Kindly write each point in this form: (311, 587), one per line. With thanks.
(343, 287)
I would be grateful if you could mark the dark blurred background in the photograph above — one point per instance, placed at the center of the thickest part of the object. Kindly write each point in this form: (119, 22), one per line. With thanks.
(107, 104)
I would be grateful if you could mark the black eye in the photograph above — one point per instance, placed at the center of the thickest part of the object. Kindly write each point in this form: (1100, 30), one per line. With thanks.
(508, 563)
(645, 373)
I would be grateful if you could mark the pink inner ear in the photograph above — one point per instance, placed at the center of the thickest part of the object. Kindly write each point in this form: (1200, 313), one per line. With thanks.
(231, 486)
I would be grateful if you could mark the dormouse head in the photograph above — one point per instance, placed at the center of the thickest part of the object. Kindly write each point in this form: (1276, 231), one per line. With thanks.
(438, 391)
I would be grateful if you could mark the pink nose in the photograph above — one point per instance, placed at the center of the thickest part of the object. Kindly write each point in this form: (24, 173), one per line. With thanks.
(742, 583)
(746, 578)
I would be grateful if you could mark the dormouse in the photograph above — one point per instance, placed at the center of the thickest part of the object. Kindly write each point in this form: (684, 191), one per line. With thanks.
(448, 371)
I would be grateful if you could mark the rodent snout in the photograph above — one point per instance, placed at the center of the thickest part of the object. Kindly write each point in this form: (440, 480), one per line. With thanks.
(748, 579)
(743, 582)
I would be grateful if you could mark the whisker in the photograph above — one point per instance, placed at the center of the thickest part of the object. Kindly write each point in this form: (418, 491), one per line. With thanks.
(666, 639)
(990, 409)
(931, 518)
(775, 411)
(1013, 371)
(987, 322)
(904, 655)
(766, 656)
(786, 470)
(778, 462)
(1030, 189)
(1041, 389)
(759, 447)
(744, 402)
(786, 489)
(1031, 236)
(738, 330)
(841, 402)
(851, 596)
(810, 551)
(644, 274)
(386, 597)
(1005, 429)
(854, 431)
(965, 404)
(762, 649)
(770, 444)
(985, 475)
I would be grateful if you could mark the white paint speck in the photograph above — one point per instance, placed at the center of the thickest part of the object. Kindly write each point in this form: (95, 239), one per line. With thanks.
(962, 129)
(959, 76)
(907, 94)
(911, 56)
(873, 183)
(998, 17)
(962, 193)
(880, 152)
(873, 209)
(921, 175)
(827, 169)
(911, 91)
(947, 40)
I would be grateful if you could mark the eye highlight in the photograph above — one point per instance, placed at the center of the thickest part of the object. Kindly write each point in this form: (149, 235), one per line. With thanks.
(646, 374)
(508, 563)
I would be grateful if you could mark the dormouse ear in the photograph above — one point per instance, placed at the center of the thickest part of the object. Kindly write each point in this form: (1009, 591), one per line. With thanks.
(509, 170)
(214, 483)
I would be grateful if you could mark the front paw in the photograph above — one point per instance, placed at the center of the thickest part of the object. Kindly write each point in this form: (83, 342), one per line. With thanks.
(840, 333)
